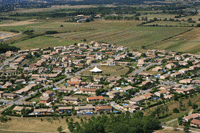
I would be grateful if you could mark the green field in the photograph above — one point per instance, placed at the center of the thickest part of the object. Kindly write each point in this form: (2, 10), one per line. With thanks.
(125, 33)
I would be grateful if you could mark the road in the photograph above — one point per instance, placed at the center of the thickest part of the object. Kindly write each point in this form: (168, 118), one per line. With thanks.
(192, 131)
(144, 68)
(6, 62)
(19, 101)
(116, 106)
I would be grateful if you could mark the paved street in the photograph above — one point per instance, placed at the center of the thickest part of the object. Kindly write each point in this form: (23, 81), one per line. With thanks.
(6, 62)
(144, 68)
(19, 101)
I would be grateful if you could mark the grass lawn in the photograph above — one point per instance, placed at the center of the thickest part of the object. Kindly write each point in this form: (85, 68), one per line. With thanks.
(112, 70)
(152, 72)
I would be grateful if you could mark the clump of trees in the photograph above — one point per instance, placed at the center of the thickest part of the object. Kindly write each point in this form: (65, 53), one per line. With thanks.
(135, 123)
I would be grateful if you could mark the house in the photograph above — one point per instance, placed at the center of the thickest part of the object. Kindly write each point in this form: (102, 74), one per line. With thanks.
(159, 60)
(83, 109)
(147, 95)
(97, 78)
(195, 123)
(26, 88)
(164, 92)
(70, 99)
(95, 99)
(147, 83)
(9, 95)
(165, 87)
(183, 90)
(80, 65)
(145, 75)
(195, 67)
(185, 81)
(130, 79)
(125, 89)
(65, 89)
(1, 94)
(95, 85)
(57, 70)
(87, 90)
(104, 108)
(136, 100)
(151, 52)
(110, 62)
(141, 62)
(43, 111)
(76, 84)
(44, 99)
(178, 58)
(19, 81)
(7, 85)
(177, 74)
(184, 71)
(196, 82)
(48, 93)
(131, 107)
(65, 109)
(170, 66)
(113, 79)
(18, 109)
(191, 117)
(9, 53)
(124, 63)
(113, 94)
(183, 63)
(157, 69)
(165, 76)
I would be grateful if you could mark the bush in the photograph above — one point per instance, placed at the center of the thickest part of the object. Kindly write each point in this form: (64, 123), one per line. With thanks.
(51, 32)
(175, 110)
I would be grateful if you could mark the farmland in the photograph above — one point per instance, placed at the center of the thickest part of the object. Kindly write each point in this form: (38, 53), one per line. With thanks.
(125, 33)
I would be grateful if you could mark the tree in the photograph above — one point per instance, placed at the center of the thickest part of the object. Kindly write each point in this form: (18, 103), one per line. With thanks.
(175, 110)
(59, 129)
(175, 126)
(189, 103)
(194, 106)
(162, 96)
(186, 127)
(175, 97)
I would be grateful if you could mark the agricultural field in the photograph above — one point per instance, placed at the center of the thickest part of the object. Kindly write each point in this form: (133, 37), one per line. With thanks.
(43, 42)
(171, 23)
(187, 42)
(123, 32)
(158, 16)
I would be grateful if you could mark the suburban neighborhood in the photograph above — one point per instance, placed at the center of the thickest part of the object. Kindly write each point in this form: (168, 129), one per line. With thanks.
(93, 79)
